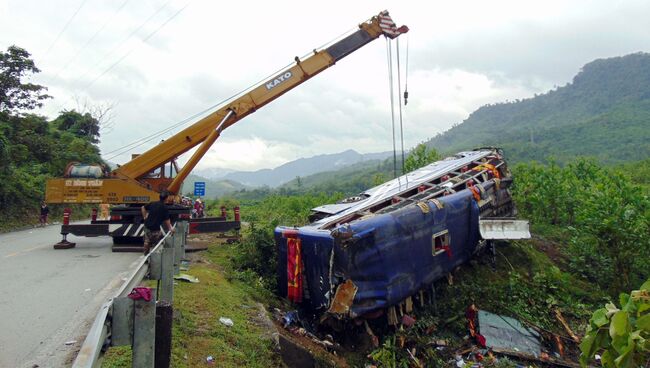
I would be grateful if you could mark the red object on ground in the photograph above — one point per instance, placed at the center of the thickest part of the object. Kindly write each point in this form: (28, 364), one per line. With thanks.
(236, 213)
(66, 216)
(140, 293)
(294, 270)
(472, 320)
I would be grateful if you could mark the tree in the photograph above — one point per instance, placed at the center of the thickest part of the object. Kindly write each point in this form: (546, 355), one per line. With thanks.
(15, 95)
(420, 156)
(81, 125)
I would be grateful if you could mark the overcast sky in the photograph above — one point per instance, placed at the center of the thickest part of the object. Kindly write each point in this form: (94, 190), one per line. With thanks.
(160, 61)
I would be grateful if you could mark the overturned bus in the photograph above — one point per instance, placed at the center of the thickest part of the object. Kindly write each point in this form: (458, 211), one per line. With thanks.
(365, 255)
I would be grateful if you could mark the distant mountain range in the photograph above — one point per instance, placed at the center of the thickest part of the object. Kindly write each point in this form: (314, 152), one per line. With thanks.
(603, 113)
(289, 171)
(213, 188)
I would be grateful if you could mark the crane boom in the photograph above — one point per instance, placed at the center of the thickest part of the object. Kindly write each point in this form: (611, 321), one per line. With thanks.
(130, 183)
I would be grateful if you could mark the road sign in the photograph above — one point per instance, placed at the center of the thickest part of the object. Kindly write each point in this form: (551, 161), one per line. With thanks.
(199, 188)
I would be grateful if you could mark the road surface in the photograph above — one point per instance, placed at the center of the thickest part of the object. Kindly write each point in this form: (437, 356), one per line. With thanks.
(49, 298)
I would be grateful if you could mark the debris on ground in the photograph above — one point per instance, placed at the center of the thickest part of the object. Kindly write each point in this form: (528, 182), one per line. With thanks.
(226, 321)
(140, 293)
(186, 277)
(290, 318)
(505, 333)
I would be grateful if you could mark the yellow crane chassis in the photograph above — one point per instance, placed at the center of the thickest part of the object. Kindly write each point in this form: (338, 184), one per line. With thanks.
(91, 190)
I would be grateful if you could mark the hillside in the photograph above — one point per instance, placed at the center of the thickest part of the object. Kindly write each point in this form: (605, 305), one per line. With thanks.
(213, 188)
(604, 112)
(348, 180)
(302, 167)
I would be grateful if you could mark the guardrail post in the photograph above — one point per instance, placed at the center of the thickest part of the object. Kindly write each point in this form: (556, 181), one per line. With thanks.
(164, 318)
(155, 265)
(184, 230)
(167, 274)
(144, 332)
(178, 240)
(122, 322)
(186, 233)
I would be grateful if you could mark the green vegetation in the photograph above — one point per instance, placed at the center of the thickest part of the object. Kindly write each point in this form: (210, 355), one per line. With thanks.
(604, 113)
(622, 335)
(603, 217)
(33, 149)
(420, 156)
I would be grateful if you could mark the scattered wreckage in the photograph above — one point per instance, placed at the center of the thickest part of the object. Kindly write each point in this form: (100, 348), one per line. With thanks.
(375, 253)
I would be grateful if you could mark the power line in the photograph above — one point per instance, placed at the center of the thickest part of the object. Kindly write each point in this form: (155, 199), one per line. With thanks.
(64, 28)
(139, 142)
(118, 45)
(144, 40)
(105, 56)
(121, 43)
(91, 39)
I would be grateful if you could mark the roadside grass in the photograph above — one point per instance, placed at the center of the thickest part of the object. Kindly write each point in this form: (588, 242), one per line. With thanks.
(197, 332)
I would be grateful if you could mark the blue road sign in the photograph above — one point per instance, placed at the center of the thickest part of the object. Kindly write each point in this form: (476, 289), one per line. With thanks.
(199, 188)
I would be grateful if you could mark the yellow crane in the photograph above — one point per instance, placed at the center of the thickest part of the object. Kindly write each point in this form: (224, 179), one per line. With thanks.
(133, 183)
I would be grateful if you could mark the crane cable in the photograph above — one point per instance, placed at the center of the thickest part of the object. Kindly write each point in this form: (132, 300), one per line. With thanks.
(406, 73)
(392, 101)
(399, 93)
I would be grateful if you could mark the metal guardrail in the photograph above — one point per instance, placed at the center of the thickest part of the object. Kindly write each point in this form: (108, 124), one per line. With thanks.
(118, 322)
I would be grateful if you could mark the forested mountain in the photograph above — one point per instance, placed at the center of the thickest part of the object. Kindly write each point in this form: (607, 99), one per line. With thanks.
(604, 113)
(302, 167)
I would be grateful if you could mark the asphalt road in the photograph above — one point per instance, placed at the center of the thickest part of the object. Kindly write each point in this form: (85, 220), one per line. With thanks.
(49, 298)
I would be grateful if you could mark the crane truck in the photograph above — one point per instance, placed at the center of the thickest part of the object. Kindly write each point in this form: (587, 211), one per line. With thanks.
(141, 179)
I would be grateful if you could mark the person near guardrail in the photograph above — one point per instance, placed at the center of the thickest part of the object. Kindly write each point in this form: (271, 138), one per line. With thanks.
(155, 214)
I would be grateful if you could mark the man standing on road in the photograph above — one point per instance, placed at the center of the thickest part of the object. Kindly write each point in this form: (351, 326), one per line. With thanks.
(45, 210)
(154, 215)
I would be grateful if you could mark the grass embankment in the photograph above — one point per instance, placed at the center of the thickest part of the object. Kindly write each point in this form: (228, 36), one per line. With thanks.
(197, 332)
